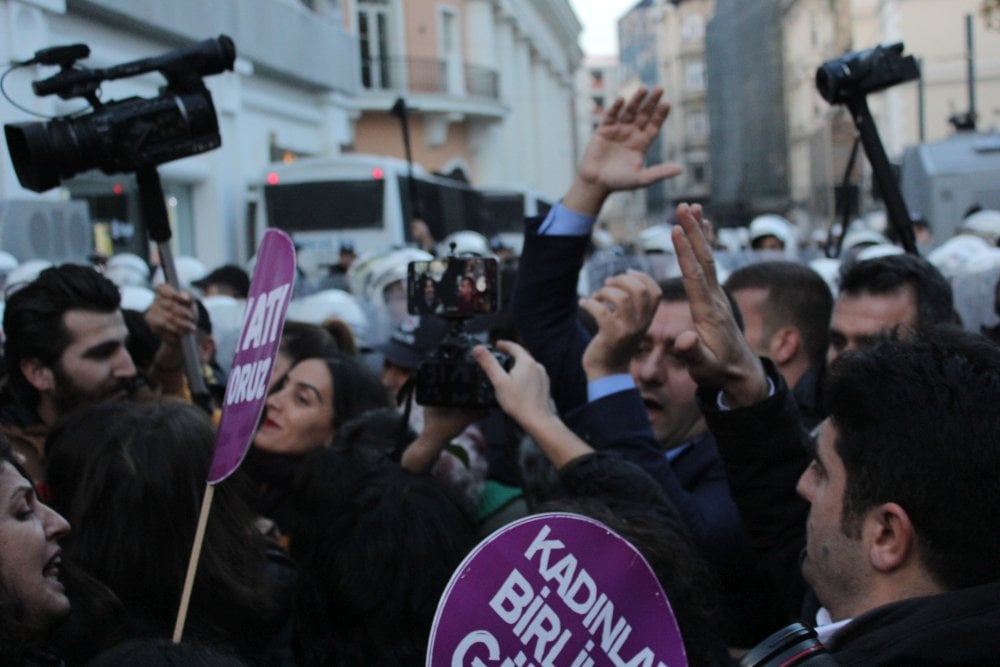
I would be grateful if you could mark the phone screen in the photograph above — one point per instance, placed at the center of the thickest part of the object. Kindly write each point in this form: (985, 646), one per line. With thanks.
(462, 286)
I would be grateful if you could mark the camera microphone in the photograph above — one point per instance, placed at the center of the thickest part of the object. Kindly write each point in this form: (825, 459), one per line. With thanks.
(63, 56)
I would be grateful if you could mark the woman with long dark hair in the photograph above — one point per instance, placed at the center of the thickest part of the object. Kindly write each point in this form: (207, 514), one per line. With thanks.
(131, 478)
(32, 596)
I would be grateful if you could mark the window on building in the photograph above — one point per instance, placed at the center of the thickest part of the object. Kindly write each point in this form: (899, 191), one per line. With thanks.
(596, 78)
(694, 75)
(699, 172)
(599, 103)
(693, 29)
(696, 123)
(373, 37)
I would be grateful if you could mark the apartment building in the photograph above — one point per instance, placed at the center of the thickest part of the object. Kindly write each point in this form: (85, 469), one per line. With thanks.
(488, 87)
(487, 84)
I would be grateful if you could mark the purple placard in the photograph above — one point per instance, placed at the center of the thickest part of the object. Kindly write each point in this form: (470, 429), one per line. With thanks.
(555, 589)
(263, 319)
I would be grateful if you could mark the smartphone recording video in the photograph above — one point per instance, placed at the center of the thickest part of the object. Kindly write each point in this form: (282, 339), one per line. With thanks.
(456, 287)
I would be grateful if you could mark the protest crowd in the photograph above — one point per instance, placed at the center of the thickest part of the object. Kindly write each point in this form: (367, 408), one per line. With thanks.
(783, 439)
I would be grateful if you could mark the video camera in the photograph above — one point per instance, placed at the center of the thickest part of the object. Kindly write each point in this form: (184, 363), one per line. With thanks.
(862, 72)
(124, 135)
(457, 288)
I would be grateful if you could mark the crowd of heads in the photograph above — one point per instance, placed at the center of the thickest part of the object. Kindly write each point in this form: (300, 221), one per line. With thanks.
(334, 541)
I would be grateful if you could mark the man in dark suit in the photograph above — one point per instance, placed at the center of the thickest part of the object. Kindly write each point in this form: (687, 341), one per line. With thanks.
(685, 459)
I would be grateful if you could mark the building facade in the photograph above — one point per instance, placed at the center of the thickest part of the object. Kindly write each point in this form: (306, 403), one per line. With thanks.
(488, 84)
(683, 75)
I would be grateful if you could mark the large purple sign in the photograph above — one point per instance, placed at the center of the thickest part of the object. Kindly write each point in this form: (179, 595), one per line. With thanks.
(555, 590)
(263, 319)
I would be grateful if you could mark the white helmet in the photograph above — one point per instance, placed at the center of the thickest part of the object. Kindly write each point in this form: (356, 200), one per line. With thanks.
(771, 224)
(127, 269)
(657, 239)
(466, 243)
(136, 297)
(957, 252)
(25, 273)
(984, 224)
(321, 306)
(862, 237)
(391, 268)
(189, 269)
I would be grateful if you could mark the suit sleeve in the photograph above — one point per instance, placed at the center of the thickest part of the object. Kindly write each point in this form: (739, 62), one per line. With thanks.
(544, 305)
(765, 450)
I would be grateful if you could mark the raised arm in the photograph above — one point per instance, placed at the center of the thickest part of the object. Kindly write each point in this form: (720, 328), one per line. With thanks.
(545, 297)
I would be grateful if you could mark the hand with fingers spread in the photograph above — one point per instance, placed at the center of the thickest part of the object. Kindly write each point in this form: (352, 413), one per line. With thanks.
(615, 155)
(716, 352)
(523, 393)
(623, 309)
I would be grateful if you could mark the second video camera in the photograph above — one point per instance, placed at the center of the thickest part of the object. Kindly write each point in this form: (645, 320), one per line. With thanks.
(857, 74)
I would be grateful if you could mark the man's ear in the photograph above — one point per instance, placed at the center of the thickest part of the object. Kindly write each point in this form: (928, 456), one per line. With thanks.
(784, 345)
(38, 375)
(890, 537)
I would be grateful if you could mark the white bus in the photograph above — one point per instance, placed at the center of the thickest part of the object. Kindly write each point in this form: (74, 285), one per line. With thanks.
(322, 201)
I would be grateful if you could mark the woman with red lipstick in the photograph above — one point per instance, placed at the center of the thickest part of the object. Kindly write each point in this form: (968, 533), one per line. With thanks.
(32, 598)
(303, 413)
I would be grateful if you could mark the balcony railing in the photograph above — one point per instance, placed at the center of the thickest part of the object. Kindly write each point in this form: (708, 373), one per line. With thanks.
(429, 77)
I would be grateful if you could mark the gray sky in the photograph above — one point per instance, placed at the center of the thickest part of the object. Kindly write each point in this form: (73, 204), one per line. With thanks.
(600, 24)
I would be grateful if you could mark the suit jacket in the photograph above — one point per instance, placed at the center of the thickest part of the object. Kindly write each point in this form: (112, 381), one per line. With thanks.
(544, 305)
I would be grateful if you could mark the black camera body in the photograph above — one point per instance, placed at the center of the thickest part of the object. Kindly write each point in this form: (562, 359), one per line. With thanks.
(792, 645)
(457, 289)
(125, 135)
(450, 377)
(862, 72)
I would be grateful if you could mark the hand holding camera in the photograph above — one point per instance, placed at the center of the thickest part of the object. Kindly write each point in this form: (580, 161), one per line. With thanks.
(457, 288)
(522, 390)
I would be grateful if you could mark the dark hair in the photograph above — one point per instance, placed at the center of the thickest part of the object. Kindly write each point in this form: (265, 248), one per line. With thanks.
(376, 547)
(163, 653)
(673, 292)
(15, 634)
(355, 388)
(376, 434)
(917, 424)
(301, 340)
(342, 335)
(33, 316)
(130, 478)
(892, 273)
(796, 296)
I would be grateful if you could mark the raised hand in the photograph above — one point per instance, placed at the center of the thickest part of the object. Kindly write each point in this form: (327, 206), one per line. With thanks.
(623, 308)
(615, 155)
(716, 353)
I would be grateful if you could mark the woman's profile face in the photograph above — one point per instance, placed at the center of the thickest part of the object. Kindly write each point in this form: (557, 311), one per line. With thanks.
(29, 550)
(299, 412)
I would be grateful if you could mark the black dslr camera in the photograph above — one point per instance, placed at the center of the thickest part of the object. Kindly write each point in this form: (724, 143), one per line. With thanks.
(857, 74)
(124, 135)
(457, 288)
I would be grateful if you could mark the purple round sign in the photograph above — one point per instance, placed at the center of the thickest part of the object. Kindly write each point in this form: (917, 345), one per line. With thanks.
(555, 589)
(263, 319)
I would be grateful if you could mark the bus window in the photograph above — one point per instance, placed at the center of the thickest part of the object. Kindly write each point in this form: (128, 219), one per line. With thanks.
(327, 205)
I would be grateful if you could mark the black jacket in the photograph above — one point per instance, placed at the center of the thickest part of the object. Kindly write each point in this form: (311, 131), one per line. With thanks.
(960, 627)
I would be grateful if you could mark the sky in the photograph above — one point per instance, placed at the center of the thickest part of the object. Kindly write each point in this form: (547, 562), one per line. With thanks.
(600, 24)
